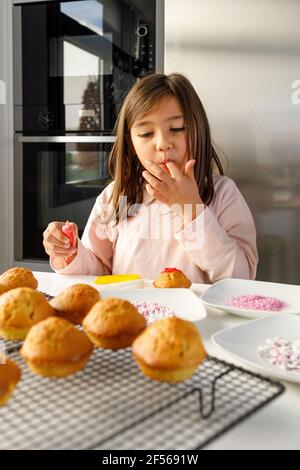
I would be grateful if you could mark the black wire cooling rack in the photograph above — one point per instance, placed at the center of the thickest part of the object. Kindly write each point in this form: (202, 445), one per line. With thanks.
(111, 405)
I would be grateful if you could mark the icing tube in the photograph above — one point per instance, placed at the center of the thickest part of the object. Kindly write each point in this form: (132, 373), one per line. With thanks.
(68, 231)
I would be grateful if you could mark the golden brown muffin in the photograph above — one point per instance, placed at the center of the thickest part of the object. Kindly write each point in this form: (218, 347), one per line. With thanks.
(20, 309)
(169, 350)
(55, 348)
(172, 277)
(10, 375)
(18, 277)
(75, 302)
(2, 289)
(113, 323)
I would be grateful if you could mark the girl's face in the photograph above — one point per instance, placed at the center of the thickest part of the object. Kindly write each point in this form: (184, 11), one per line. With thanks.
(160, 135)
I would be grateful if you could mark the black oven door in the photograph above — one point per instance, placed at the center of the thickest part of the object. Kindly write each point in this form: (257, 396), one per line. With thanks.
(74, 61)
(56, 178)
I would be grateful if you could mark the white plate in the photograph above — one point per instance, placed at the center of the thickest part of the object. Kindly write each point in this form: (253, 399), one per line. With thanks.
(242, 343)
(183, 302)
(216, 295)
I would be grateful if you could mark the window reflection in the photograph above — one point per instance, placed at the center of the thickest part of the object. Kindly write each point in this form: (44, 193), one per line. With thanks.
(86, 59)
(83, 166)
(87, 13)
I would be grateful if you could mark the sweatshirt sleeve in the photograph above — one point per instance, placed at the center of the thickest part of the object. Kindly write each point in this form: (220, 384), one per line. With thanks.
(222, 239)
(95, 249)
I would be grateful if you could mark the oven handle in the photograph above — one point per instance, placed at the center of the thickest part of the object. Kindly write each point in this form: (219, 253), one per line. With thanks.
(59, 139)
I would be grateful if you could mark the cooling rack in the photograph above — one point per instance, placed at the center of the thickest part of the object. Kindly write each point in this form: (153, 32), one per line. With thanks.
(111, 405)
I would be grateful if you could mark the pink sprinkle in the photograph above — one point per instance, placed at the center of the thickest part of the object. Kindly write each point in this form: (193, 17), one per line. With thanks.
(153, 311)
(282, 353)
(256, 302)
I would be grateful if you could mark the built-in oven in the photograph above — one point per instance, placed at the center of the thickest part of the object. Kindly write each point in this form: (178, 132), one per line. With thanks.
(56, 178)
(74, 61)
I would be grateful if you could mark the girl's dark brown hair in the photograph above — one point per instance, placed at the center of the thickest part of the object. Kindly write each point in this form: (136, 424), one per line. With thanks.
(125, 167)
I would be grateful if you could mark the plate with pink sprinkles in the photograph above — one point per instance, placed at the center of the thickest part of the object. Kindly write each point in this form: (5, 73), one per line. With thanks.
(156, 304)
(270, 346)
(253, 299)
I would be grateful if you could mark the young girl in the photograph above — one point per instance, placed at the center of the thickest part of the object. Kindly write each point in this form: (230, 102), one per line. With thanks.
(164, 207)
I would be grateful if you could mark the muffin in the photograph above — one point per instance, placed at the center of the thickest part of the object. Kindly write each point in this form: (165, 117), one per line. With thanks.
(75, 302)
(18, 277)
(172, 277)
(10, 375)
(113, 323)
(2, 289)
(20, 309)
(170, 350)
(55, 348)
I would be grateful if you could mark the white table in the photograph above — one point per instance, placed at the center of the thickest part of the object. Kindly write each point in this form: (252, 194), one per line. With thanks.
(276, 426)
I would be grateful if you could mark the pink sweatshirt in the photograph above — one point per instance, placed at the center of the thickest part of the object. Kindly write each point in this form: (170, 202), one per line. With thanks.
(219, 243)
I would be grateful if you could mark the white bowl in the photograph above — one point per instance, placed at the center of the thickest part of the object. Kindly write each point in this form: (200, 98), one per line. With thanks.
(183, 302)
(242, 343)
(215, 296)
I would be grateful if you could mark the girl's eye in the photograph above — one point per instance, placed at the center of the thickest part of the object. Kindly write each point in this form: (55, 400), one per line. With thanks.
(177, 129)
(173, 129)
(146, 134)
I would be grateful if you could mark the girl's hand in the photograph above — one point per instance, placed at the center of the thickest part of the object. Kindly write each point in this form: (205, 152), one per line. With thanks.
(58, 246)
(176, 188)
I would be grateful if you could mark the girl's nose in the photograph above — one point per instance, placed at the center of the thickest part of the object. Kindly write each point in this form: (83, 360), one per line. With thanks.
(163, 145)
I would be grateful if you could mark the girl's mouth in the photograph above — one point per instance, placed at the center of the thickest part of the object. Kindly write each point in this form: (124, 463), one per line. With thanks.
(164, 165)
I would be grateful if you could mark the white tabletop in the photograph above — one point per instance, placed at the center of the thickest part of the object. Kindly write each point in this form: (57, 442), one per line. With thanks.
(276, 426)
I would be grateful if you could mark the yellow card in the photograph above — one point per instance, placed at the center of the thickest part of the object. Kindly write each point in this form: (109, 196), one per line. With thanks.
(116, 278)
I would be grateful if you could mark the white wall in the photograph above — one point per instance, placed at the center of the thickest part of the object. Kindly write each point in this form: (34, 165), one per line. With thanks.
(243, 57)
(6, 142)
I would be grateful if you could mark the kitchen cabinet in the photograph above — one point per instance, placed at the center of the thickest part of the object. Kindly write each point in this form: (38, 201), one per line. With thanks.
(5, 141)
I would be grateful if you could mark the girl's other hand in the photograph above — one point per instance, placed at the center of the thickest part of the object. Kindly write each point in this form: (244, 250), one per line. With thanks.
(178, 189)
(175, 187)
(61, 249)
